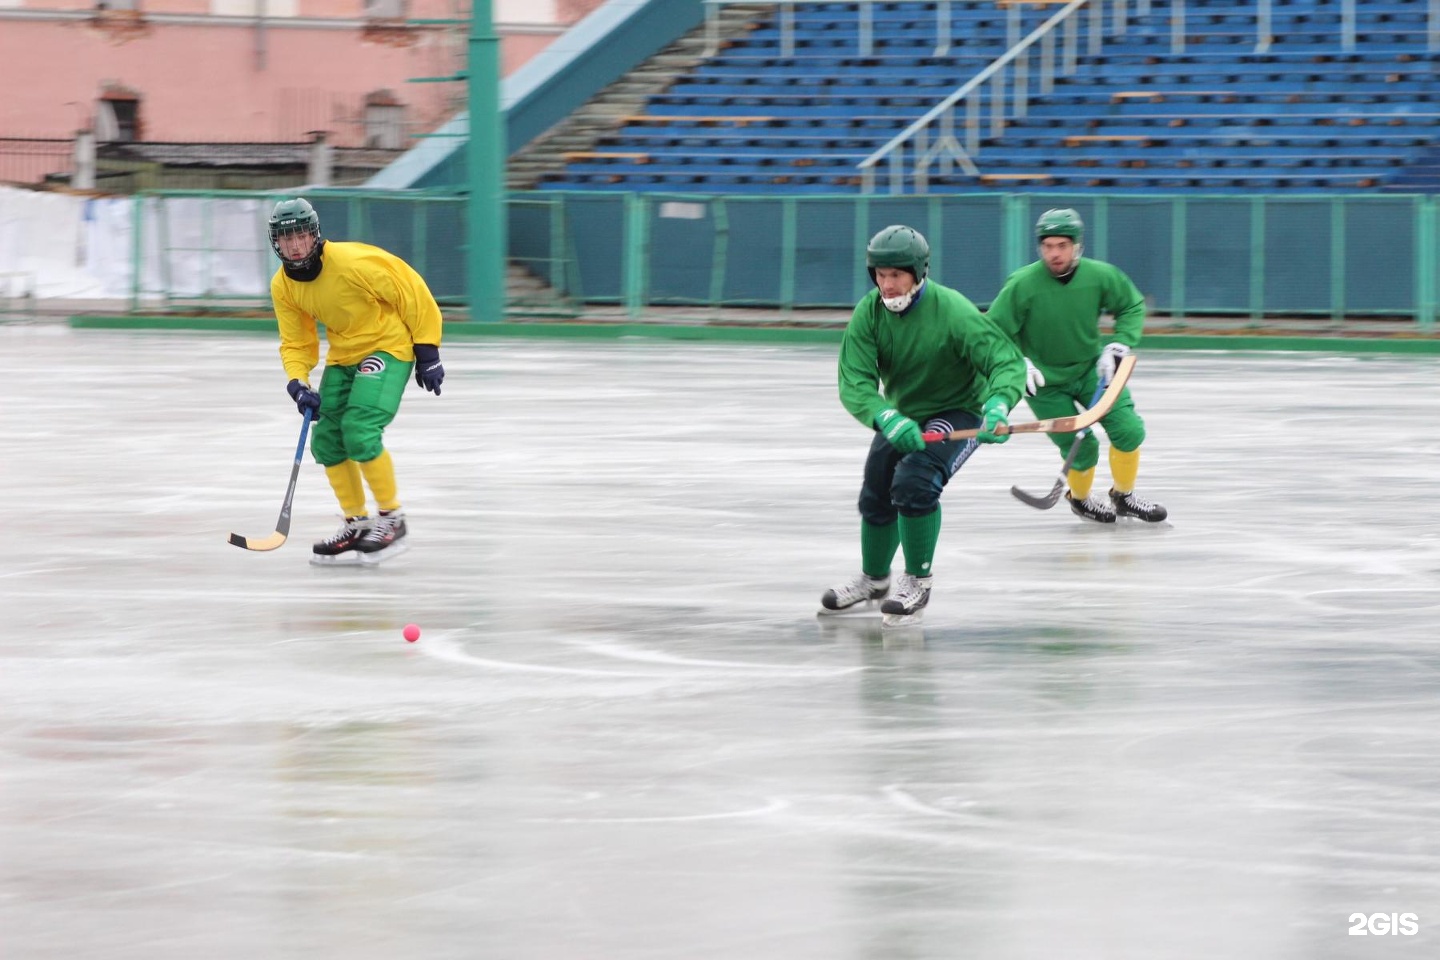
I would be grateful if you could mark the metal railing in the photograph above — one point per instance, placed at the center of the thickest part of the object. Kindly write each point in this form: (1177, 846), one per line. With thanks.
(866, 24)
(932, 139)
(32, 161)
(1006, 83)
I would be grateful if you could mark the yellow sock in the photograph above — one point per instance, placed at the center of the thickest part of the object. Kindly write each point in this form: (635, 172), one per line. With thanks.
(380, 475)
(345, 481)
(1124, 466)
(1080, 482)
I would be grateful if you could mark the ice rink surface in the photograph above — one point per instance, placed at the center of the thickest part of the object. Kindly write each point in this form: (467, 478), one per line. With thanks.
(624, 734)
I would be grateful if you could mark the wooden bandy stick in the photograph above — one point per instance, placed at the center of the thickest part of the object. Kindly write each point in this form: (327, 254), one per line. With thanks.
(1058, 424)
(282, 525)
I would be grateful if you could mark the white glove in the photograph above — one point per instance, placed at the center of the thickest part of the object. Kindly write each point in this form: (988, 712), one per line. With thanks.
(1034, 379)
(1110, 358)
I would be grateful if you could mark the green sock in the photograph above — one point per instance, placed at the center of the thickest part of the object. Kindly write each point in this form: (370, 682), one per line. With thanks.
(877, 548)
(918, 535)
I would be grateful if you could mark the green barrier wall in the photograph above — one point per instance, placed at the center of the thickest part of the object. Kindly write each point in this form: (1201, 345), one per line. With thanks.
(1335, 257)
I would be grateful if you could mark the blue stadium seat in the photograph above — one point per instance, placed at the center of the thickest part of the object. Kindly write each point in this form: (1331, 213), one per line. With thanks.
(1302, 113)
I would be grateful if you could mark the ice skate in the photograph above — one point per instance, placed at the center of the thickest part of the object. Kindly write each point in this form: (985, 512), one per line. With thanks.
(385, 538)
(1129, 505)
(907, 605)
(341, 549)
(1091, 508)
(860, 595)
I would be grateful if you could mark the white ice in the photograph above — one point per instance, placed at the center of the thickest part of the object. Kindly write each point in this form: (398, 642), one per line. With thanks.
(624, 735)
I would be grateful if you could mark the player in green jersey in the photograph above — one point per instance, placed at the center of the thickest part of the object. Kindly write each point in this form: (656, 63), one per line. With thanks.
(916, 357)
(1051, 309)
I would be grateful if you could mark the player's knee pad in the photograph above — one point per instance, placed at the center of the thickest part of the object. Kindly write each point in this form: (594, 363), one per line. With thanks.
(362, 439)
(917, 487)
(1126, 433)
(327, 445)
(875, 509)
(1089, 454)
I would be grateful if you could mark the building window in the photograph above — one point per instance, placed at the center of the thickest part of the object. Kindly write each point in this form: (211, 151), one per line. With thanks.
(385, 122)
(385, 9)
(117, 118)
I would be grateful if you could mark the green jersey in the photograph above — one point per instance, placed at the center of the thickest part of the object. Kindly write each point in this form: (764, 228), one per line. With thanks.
(941, 354)
(1057, 324)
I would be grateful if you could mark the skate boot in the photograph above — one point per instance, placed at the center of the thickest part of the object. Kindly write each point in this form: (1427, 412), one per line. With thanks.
(1091, 508)
(386, 537)
(342, 547)
(1129, 505)
(854, 596)
(907, 605)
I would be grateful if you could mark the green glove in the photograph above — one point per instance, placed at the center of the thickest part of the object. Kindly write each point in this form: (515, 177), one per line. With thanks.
(993, 415)
(903, 433)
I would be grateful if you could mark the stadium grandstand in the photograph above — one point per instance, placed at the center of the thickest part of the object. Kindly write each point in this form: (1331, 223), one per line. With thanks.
(1241, 95)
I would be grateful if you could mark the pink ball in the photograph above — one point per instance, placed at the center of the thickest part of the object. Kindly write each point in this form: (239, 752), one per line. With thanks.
(412, 632)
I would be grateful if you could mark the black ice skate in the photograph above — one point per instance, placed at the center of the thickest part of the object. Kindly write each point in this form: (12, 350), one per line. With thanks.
(907, 606)
(342, 547)
(1091, 508)
(385, 539)
(859, 595)
(1129, 505)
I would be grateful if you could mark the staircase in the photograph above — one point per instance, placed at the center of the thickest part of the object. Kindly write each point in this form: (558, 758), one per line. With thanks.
(607, 111)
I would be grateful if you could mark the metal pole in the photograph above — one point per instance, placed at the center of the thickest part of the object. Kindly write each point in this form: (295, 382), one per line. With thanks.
(84, 178)
(1257, 259)
(1337, 259)
(485, 153)
(1425, 265)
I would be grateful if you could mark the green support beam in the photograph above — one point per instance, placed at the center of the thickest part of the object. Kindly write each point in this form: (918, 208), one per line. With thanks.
(486, 220)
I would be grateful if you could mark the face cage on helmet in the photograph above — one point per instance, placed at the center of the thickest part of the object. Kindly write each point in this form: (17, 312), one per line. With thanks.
(280, 230)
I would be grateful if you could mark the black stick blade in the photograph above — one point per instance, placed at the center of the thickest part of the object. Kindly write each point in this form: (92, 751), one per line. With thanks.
(1040, 503)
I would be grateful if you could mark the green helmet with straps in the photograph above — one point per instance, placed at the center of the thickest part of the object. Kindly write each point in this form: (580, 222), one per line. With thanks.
(1060, 223)
(295, 216)
(898, 246)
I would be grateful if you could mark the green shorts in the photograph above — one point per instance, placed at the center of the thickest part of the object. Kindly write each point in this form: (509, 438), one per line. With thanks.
(357, 403)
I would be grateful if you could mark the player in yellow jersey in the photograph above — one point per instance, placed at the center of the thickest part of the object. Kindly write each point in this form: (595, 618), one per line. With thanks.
(381, 322)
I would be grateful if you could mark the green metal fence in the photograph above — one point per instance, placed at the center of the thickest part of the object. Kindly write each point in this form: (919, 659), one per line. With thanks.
(644, 254)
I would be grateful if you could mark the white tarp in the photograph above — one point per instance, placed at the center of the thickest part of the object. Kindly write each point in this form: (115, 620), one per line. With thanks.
(70, 247)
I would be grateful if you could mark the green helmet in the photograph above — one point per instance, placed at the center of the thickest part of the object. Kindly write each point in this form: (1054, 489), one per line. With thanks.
(1060, 223)
(898, 246)
(295, 216)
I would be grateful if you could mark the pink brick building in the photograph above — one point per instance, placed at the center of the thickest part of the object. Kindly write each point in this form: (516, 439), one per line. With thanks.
(190, 71)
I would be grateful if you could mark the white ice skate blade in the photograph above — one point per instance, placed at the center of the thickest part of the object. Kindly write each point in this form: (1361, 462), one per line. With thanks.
(380, 556)
(865, 608)
(902, 619)
(349, 558)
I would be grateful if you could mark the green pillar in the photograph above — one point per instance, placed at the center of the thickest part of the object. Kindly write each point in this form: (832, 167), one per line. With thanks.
(486, 152)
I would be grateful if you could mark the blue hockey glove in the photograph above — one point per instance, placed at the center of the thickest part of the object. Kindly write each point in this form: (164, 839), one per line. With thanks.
(994, 415)
(429, 371)
(903, 433)
(304, 397)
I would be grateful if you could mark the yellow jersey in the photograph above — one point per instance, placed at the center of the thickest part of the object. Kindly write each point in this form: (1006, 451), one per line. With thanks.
(368, 300)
